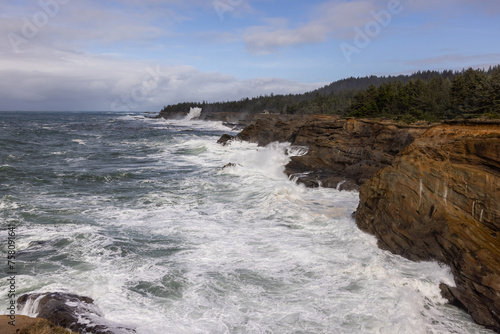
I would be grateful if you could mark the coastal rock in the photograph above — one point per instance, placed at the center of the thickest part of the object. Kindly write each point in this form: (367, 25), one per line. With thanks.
(70, 311)
(440, 200)
(228, 165)
(225, 139)
(343, 153)
(230, 119)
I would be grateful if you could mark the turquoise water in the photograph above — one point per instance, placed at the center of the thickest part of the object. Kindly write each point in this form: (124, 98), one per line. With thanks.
(139, 215)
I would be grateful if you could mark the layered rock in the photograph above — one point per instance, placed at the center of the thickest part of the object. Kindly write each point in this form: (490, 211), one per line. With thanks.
(440, 200)
(342, 152)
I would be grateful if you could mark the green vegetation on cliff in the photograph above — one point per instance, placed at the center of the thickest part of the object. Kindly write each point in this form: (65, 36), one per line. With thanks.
(430, 96)
(469, 94)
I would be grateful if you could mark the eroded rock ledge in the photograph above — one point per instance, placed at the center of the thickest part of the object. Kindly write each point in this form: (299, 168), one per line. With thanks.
(441, 200)
(342, 152)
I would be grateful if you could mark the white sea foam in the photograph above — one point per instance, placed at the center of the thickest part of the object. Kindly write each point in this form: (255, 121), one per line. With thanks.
(193, 113)
(79, 141)
(234, 250)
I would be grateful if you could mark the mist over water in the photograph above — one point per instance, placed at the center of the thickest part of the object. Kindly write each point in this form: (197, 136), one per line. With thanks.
(139, 215)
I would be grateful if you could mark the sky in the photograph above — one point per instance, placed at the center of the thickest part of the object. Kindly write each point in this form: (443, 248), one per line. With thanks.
(141, 55)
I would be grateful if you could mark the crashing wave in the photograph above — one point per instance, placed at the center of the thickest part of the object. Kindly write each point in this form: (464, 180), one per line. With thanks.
(194, 113)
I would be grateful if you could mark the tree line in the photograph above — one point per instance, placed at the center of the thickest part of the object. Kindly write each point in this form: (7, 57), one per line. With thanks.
(427, 95)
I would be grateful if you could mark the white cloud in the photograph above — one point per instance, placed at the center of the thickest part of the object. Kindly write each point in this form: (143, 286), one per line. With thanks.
(52, 68)
(61, 80)
(336, 19)
(330, 19)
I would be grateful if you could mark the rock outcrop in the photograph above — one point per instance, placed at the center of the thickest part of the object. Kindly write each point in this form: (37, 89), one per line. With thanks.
(343, 153)
(70, 311)
(225, 139)
(434, 197)
(441, 200)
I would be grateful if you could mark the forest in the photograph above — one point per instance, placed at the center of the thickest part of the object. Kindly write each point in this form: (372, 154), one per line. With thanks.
(429, 95)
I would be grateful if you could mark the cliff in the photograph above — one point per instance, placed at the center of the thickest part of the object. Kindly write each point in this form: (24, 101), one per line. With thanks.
(342, 153)
(440, 200)
(426, 192)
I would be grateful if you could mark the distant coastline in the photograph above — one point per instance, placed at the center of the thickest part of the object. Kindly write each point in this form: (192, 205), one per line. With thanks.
(428, 96)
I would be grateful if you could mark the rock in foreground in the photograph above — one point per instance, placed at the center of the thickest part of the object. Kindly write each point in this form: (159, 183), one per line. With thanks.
(440, 200)
(70, 311)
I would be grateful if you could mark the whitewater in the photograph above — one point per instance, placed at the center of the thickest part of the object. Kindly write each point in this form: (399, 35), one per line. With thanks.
(146, 217)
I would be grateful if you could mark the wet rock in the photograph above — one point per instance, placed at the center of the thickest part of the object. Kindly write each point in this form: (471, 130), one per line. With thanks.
(439, 200)
(36, 243)
(228, 165)
(70, 311)
(225, 139)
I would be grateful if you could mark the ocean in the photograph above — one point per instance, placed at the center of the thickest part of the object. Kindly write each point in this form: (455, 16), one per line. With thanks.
(142, 216)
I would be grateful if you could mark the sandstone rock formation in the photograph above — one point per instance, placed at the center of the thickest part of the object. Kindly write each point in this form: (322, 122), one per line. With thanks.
(441, 200)
(342, 152)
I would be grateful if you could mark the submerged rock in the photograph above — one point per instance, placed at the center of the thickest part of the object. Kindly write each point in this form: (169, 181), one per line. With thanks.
(440, 200)
(228, 165)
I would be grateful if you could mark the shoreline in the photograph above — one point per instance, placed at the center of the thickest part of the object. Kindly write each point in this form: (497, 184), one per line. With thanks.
(380, 159)
(417, 187)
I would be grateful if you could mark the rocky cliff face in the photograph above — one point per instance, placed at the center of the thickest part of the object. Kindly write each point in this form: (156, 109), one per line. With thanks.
(426, 193)
(441, 200)
(342, 153)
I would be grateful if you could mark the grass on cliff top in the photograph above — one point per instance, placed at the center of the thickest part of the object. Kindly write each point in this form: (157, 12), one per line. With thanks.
(44, 327)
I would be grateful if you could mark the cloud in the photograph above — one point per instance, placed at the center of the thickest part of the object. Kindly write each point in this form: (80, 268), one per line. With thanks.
(55, 64)
(337, 19)
(63, 80)
(77, 24)
(330, 19)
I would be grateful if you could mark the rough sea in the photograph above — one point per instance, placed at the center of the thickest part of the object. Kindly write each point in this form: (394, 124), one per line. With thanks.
(140, 215)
